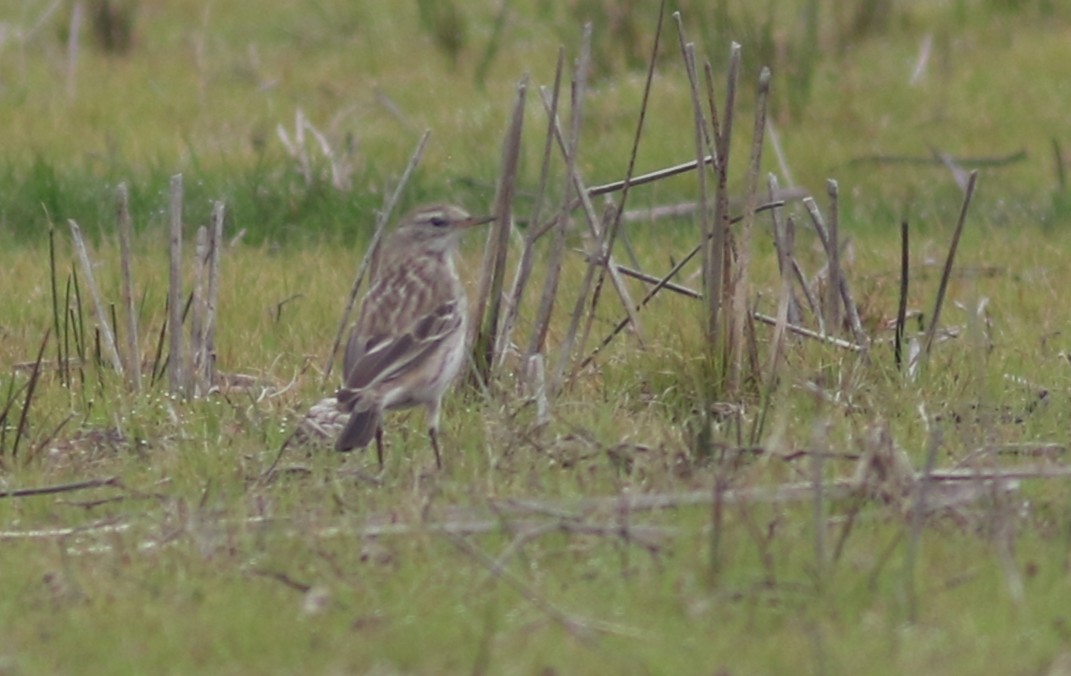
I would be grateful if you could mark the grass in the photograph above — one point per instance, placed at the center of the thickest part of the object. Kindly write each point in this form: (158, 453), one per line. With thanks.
(511, 560)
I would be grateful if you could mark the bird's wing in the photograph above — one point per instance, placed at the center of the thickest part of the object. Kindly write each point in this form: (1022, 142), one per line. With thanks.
(382, 358)
(400, 296)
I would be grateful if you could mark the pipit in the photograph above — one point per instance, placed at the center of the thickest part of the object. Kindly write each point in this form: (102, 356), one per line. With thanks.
(408, 342)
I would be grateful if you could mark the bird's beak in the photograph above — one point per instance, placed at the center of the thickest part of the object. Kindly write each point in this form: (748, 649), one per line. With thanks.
(475, 220)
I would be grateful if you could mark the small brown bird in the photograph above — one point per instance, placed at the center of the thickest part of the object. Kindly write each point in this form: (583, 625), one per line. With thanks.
(408, 343)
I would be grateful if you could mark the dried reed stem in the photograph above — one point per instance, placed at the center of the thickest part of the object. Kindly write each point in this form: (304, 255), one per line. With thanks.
(133, 354)
(524, 267)
(901, 310)
(833, 300)
(489, 295)
(708, 227)
(785, 237)
(60, 356)
(650, 177)
(31, 388)
(931, 330)
(111, 352)
(717, 261)
(208, 362)
(197, 316)
(541, 323)
(176, 361)
(741, 271)
(842, 281)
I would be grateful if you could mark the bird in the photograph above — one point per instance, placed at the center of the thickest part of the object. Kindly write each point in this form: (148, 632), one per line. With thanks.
(408, 342)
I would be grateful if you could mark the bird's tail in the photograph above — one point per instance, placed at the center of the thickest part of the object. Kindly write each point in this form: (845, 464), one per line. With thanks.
(360, 428)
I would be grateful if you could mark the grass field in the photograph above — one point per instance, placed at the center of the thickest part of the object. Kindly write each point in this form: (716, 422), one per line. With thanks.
(831, 513)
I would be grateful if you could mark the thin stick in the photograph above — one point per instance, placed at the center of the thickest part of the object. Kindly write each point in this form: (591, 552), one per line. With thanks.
(931, 330)
(784, 250)
(845, 292)
(707, 226)
(373, 250)
(643, 179)
(102, 318)
(197, 317)
(176, 361)
(208, 365)
(524, 267)
(58, 488)
(158, 361)
(541, 323)
(833, 234)
(570, 150)
(31, 387)
(901, 311)
(133, 354)
(741, 271)
(977, 162)
(489, 296)
(717, 259)
(12, 394)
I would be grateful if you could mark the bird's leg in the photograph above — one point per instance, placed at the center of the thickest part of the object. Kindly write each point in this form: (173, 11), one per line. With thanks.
(379, 446)
(433, 433)
(433, 429)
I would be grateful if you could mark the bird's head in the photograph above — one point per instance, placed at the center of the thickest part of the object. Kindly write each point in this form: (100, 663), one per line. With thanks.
(437, 225)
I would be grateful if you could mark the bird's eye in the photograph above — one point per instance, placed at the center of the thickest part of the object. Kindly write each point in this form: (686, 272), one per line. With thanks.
(438, 221)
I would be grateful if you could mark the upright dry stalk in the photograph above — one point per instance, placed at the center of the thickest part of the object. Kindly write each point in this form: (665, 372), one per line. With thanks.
(833, 289)
(133, 354)
(61, 358)
(571, 148)
(524, 267)
(31, 388)
(717, 259)
(946, 274)
(706, 224)
(176, 361)
(368, 262)
(215, 253)
(489, 296)
(541, 322)
(98, 304)
(842, 281)
(901, 310)
(740, 279)
(784, 236)
(198, 311)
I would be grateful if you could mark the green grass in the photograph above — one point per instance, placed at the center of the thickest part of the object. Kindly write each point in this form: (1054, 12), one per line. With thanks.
(188, 562)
